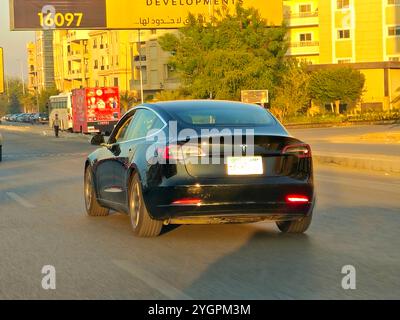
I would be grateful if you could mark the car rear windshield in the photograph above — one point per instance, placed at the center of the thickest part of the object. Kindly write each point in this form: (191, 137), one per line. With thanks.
(225, 116)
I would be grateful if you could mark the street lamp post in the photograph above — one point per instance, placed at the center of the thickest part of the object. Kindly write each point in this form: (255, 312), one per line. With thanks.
(140, 67)
(22, 76)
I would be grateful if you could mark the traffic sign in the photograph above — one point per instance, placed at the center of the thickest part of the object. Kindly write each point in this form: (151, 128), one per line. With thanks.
(126, 14)
(255, 96)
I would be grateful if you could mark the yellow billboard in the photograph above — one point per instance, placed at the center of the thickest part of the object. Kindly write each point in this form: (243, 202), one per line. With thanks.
(1, 71)
(126, 14)
(165, 14)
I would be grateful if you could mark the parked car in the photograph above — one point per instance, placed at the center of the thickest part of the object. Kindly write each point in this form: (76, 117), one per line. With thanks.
(42, 118)
(173, 179)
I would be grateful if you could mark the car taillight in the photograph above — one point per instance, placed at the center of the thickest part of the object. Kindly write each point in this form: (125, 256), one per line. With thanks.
(176, 152)
(297, 199)
(299, 150)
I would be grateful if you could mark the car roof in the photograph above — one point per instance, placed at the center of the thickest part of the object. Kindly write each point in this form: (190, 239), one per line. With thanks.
(171, 108)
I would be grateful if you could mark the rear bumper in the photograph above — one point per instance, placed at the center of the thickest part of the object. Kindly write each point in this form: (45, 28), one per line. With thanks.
(229, 203)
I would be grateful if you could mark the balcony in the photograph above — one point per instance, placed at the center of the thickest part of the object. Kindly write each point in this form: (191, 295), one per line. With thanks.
(296, 19)
(75, 74)
(136, 83)
(296, 15)
(303, 48)
(77, 36)
(304, 44)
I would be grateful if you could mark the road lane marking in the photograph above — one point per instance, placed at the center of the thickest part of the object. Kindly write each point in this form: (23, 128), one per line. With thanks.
(20, 200)
(153, 281)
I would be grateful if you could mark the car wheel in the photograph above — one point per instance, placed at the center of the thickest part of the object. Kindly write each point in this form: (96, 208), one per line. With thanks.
(93, 208)
(297, 226)
(142, 224)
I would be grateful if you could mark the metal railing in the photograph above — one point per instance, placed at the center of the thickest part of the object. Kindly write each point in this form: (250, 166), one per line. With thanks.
(294, 15)
(301, 44)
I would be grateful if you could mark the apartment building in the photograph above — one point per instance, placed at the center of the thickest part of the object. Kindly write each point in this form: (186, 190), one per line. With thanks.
(82, 58)
(41, 62)
(302, 19)
(361, 34)
(149, 57)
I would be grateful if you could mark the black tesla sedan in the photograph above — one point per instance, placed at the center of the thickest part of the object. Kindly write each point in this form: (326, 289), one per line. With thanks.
(201, 162)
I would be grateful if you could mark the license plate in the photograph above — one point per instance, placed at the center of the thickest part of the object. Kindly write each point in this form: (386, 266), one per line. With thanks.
(243, 166)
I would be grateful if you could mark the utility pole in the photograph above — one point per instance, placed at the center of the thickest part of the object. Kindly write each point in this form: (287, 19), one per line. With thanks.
(8, 90)
(140, 68)
(22, 76)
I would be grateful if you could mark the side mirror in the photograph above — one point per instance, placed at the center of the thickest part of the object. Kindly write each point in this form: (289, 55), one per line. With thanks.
(97, 140)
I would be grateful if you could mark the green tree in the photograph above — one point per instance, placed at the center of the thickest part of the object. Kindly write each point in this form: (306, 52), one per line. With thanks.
(44, 97)
(14, 105)
(291, 95)
(337, 85)
(232, 53)
(11, 101)
(127, 100)
(169, 95)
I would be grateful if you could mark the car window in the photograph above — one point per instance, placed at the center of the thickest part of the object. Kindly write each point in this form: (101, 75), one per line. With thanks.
(122, 134)
(226, 116)
(143, 121)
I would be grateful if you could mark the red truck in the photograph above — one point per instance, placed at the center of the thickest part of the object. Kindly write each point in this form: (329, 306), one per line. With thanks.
(95, 110)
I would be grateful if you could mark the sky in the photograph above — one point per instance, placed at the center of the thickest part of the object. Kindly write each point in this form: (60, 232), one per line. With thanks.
(13, 43)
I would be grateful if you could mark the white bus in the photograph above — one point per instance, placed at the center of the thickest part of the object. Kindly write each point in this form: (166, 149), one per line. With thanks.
(61, 105)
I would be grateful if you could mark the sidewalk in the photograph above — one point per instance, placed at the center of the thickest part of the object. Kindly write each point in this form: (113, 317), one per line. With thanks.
(42, 130)
(374, 148)
(371, 162)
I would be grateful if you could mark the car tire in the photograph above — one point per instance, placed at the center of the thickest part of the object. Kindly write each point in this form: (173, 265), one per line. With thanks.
(93, 208)
(297, 226)
(142, 224)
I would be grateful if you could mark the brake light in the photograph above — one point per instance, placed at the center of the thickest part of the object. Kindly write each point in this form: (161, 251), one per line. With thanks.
(295, 198)
(299, 150)
(187, 202)
(176, 152)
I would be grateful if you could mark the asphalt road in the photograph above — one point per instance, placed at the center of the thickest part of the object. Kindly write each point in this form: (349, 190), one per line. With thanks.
(43, 222)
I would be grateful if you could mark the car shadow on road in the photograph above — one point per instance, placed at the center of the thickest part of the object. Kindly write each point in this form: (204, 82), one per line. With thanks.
(269, 266)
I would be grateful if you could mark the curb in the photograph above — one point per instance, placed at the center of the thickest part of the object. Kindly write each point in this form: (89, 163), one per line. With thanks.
(339, 124)
(388, 164)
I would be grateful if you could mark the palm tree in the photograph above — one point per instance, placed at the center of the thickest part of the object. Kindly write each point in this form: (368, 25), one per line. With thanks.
(127, 100)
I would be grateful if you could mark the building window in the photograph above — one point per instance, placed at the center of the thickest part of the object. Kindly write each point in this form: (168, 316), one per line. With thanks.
(304, 37)
(153, 31)
(96, 64)
(169, 71)
(144, 73)
(304, 8)
(343, 4)
(116, 83)
(394, 59)
(97, 84)
(344, 34)
(394, 2)
(394, 31)
(342, 61)
(105, 82)
(95, 43)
